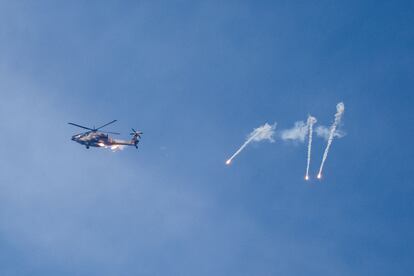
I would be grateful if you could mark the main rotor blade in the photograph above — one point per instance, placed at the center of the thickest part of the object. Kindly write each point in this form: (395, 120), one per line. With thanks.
(80, 126)
(105, 125)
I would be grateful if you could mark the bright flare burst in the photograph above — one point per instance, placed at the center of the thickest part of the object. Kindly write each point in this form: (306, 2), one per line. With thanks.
(117, 147)
(112, 147)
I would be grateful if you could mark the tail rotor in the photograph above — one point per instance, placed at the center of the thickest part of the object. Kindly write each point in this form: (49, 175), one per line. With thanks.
(136, 136)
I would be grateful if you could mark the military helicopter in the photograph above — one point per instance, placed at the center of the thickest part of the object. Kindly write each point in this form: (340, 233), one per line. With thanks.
(95, 138)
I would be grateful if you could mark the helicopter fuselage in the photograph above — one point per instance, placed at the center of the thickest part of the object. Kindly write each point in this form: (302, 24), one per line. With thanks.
(92, 139)
(98, 139)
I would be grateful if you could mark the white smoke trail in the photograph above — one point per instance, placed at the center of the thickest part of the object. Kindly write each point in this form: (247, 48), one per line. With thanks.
(265, 132)
(297, 133)
(310, 123)
(340, 108)
(323, 132)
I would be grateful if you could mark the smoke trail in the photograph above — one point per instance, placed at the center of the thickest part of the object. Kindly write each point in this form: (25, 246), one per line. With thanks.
(239, 150)
(323, 132)
(297, 133)
(340, 108)
(310, 123)
(265, 132)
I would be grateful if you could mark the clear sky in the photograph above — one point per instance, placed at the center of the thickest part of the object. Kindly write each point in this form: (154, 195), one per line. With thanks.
(197, 77)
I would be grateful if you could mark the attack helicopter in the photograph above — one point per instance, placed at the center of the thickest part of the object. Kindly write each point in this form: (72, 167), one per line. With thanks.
(93, 137)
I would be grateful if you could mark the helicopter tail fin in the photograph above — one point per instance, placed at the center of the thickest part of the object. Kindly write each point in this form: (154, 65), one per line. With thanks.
(136, 136)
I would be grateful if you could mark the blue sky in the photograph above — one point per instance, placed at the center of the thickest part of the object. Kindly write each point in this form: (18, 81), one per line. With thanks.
(197, 77)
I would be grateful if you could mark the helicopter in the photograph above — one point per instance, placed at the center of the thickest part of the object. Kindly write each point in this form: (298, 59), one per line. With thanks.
(100, 139)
